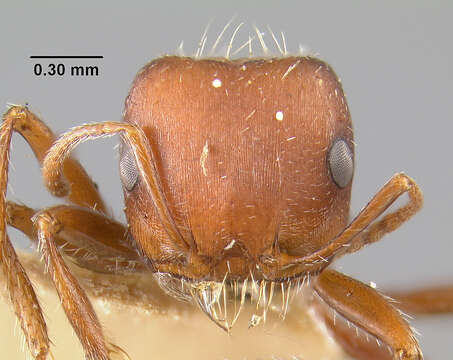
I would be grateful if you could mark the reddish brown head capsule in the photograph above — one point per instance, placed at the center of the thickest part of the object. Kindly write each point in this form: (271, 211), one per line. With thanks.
(255, 158)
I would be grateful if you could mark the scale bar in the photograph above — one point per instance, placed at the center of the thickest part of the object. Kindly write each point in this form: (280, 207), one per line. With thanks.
(66, 57)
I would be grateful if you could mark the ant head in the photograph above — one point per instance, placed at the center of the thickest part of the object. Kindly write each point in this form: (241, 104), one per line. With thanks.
(254, 159)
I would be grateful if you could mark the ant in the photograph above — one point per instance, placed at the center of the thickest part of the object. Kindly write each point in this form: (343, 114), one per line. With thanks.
(234, 172)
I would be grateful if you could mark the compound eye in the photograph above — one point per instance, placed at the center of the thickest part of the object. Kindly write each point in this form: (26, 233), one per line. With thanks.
(128, 166)
(341, 163)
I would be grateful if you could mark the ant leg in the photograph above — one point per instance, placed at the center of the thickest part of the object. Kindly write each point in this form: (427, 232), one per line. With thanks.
(83, 192)
(40, 138)
(25, 303)
(425, 301)
(76, 304)
(19, 217)
(90, 239)
(21, 293)
(364, 308)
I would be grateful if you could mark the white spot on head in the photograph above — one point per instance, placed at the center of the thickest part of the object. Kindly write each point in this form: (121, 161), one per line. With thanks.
(217, 83)
(279, 115)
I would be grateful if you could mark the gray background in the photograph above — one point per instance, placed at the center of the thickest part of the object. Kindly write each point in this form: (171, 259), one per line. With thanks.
(395, 61)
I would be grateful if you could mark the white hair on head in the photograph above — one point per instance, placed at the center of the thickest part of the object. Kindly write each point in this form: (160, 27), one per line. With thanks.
(239, 44)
